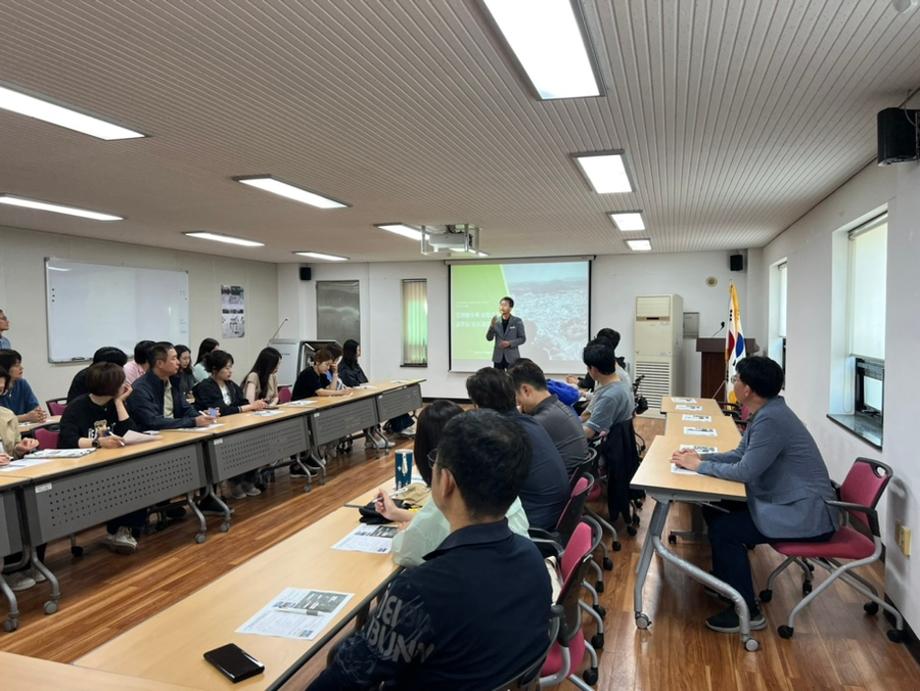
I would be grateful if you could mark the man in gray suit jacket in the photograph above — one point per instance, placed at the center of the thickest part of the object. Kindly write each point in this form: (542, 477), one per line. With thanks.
(508, 334)
(786, 480)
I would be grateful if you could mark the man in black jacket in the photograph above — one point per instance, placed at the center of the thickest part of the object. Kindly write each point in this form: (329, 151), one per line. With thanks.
(157, 402)
(477, 610)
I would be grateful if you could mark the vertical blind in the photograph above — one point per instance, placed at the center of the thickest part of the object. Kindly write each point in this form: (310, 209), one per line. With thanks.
(415, 321)
(866, 283)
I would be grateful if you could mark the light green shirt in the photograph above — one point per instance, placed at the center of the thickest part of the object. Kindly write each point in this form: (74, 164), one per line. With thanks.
(429, 528)
(199, 372)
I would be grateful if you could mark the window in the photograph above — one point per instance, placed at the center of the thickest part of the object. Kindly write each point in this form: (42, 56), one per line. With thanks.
(415, 322)
(866, 282)
(776, 347)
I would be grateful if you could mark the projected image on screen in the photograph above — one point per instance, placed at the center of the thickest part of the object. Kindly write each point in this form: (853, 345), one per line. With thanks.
(551, 297)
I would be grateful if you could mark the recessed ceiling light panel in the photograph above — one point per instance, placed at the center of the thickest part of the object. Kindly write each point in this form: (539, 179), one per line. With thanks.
(289, 191)
(322, 256)
(628, 221)
(605, 171)
(643, 245)
(401, 229)
(13, 200)
(228, 239)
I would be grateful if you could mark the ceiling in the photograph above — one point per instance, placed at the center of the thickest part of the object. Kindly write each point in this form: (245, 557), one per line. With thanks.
(736, 118)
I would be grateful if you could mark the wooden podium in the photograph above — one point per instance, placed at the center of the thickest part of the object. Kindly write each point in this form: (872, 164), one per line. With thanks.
(712, 371)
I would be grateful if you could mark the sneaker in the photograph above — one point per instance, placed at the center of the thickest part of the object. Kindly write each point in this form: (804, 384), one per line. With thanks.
(250, 489)
(20, 580)
(38, 576)
(297, 470)
(237, 491)
(408, 432)
(122, 541)
(726, 621)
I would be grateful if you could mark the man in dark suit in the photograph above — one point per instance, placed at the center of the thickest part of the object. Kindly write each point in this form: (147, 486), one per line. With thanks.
(508, 334)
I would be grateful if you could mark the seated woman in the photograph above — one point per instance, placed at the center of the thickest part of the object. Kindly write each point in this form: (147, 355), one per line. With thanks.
(221, 392)
(99, 419)
(186, 373)
(261, 382)
(313, 381)
(428, 527)
(351, 374)
(12, 447)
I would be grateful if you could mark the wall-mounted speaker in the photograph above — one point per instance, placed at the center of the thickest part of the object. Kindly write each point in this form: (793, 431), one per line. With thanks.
(897, 135)
(306, 273)
(736, 262)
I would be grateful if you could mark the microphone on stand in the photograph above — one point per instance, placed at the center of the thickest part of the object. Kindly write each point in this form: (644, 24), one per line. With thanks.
(283, 321)
(718, 331)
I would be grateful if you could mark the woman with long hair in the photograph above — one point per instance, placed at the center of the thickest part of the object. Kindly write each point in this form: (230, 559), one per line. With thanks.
(261, 382)
(200, 369)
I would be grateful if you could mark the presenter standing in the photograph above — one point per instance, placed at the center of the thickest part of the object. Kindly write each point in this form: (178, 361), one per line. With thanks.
(508, 333)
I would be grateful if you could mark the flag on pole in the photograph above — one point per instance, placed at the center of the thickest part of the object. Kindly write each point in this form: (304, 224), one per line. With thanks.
(734, 340)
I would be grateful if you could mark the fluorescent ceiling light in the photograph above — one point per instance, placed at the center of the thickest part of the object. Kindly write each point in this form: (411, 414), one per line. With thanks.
(13, 200)
(402, 229)
(644, 245)
(229, 239)
(628, 220)
(547, 40)
(324, 257)
(39, 109)
(288, 191)
(605, 171)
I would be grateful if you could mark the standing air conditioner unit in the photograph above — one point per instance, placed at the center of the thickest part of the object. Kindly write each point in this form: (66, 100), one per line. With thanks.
(659, 334)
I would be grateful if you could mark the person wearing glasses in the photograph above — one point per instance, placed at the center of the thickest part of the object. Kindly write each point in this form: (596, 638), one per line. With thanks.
(423, 530)
(786, 481)
(477, 610)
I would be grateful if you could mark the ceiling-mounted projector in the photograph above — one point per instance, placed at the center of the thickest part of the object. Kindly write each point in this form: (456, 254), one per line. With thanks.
(453, 237)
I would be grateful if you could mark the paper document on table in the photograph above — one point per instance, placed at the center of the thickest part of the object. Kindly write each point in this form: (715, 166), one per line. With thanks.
(697, 418)
(131, 437)
(26, 462)
(683, 400)
(267, 413)
(296, 613)
(698, 449)
(364, 386)
(54, 453)
(376, 539)
(688, 407)
(301, 403)
(700, 432)
(677, 470)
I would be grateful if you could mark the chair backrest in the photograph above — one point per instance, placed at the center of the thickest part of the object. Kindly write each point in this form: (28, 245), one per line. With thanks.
(47, 439)
(574, 508)
(864, 485)
(284, 394)
(576, 560)
(586, 467)
(56, 406)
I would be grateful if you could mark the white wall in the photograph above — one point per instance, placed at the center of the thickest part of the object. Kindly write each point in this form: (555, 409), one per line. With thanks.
(616, 281)
(814, 320)
(22, 296)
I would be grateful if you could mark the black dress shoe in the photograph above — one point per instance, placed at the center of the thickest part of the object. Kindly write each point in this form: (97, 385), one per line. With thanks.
(727, 621)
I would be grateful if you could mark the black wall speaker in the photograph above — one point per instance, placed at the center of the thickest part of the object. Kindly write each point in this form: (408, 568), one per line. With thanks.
(897, 135)
(736, 262)
(306, 273)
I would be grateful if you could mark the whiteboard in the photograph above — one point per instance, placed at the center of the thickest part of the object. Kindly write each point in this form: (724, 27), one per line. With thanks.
(95, 305)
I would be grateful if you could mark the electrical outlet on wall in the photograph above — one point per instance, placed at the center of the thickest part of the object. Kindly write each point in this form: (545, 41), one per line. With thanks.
(902, 537)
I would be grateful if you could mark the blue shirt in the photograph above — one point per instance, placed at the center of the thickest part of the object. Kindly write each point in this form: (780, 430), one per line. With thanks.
(475, 613)
(5, 343)
(20, 398)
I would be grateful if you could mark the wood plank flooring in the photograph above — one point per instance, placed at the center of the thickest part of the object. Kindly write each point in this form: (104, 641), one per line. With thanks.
(836, 646)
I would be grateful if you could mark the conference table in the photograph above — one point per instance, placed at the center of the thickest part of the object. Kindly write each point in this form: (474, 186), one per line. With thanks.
(63, 496)
(29, 427)
(657, 478)
(169, 646)
(20, 672)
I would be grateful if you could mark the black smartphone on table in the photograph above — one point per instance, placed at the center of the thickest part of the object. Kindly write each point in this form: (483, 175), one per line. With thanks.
(234, 662)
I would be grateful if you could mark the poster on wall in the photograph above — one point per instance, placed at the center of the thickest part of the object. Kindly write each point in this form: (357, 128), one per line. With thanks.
(233, 311)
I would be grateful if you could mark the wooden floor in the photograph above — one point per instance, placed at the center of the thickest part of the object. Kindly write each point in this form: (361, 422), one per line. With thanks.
(835, 646)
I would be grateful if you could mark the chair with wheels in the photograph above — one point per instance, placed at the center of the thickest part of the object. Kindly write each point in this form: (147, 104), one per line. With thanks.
(858, 496)
(56, 406)
(284, 394)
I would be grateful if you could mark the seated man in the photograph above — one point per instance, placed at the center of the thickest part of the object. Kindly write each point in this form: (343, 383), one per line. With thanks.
(157, 402)
(105, 354)
(558, 419)
(545, 490)
(19, 396)
(786, 481)
(477, 610)
(612, 402)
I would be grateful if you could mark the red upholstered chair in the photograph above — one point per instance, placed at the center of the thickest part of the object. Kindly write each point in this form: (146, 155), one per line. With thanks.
(859, 495)
(56, 406)
(47, 439)
(284, 394)
(570, 648)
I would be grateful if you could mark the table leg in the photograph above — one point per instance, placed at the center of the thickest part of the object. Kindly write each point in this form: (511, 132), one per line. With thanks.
(51, 606)
(202, 533)
(697, 531)
(11, 623)
(655, 528)
(225, 526)
(707, 579)
(317, 462)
